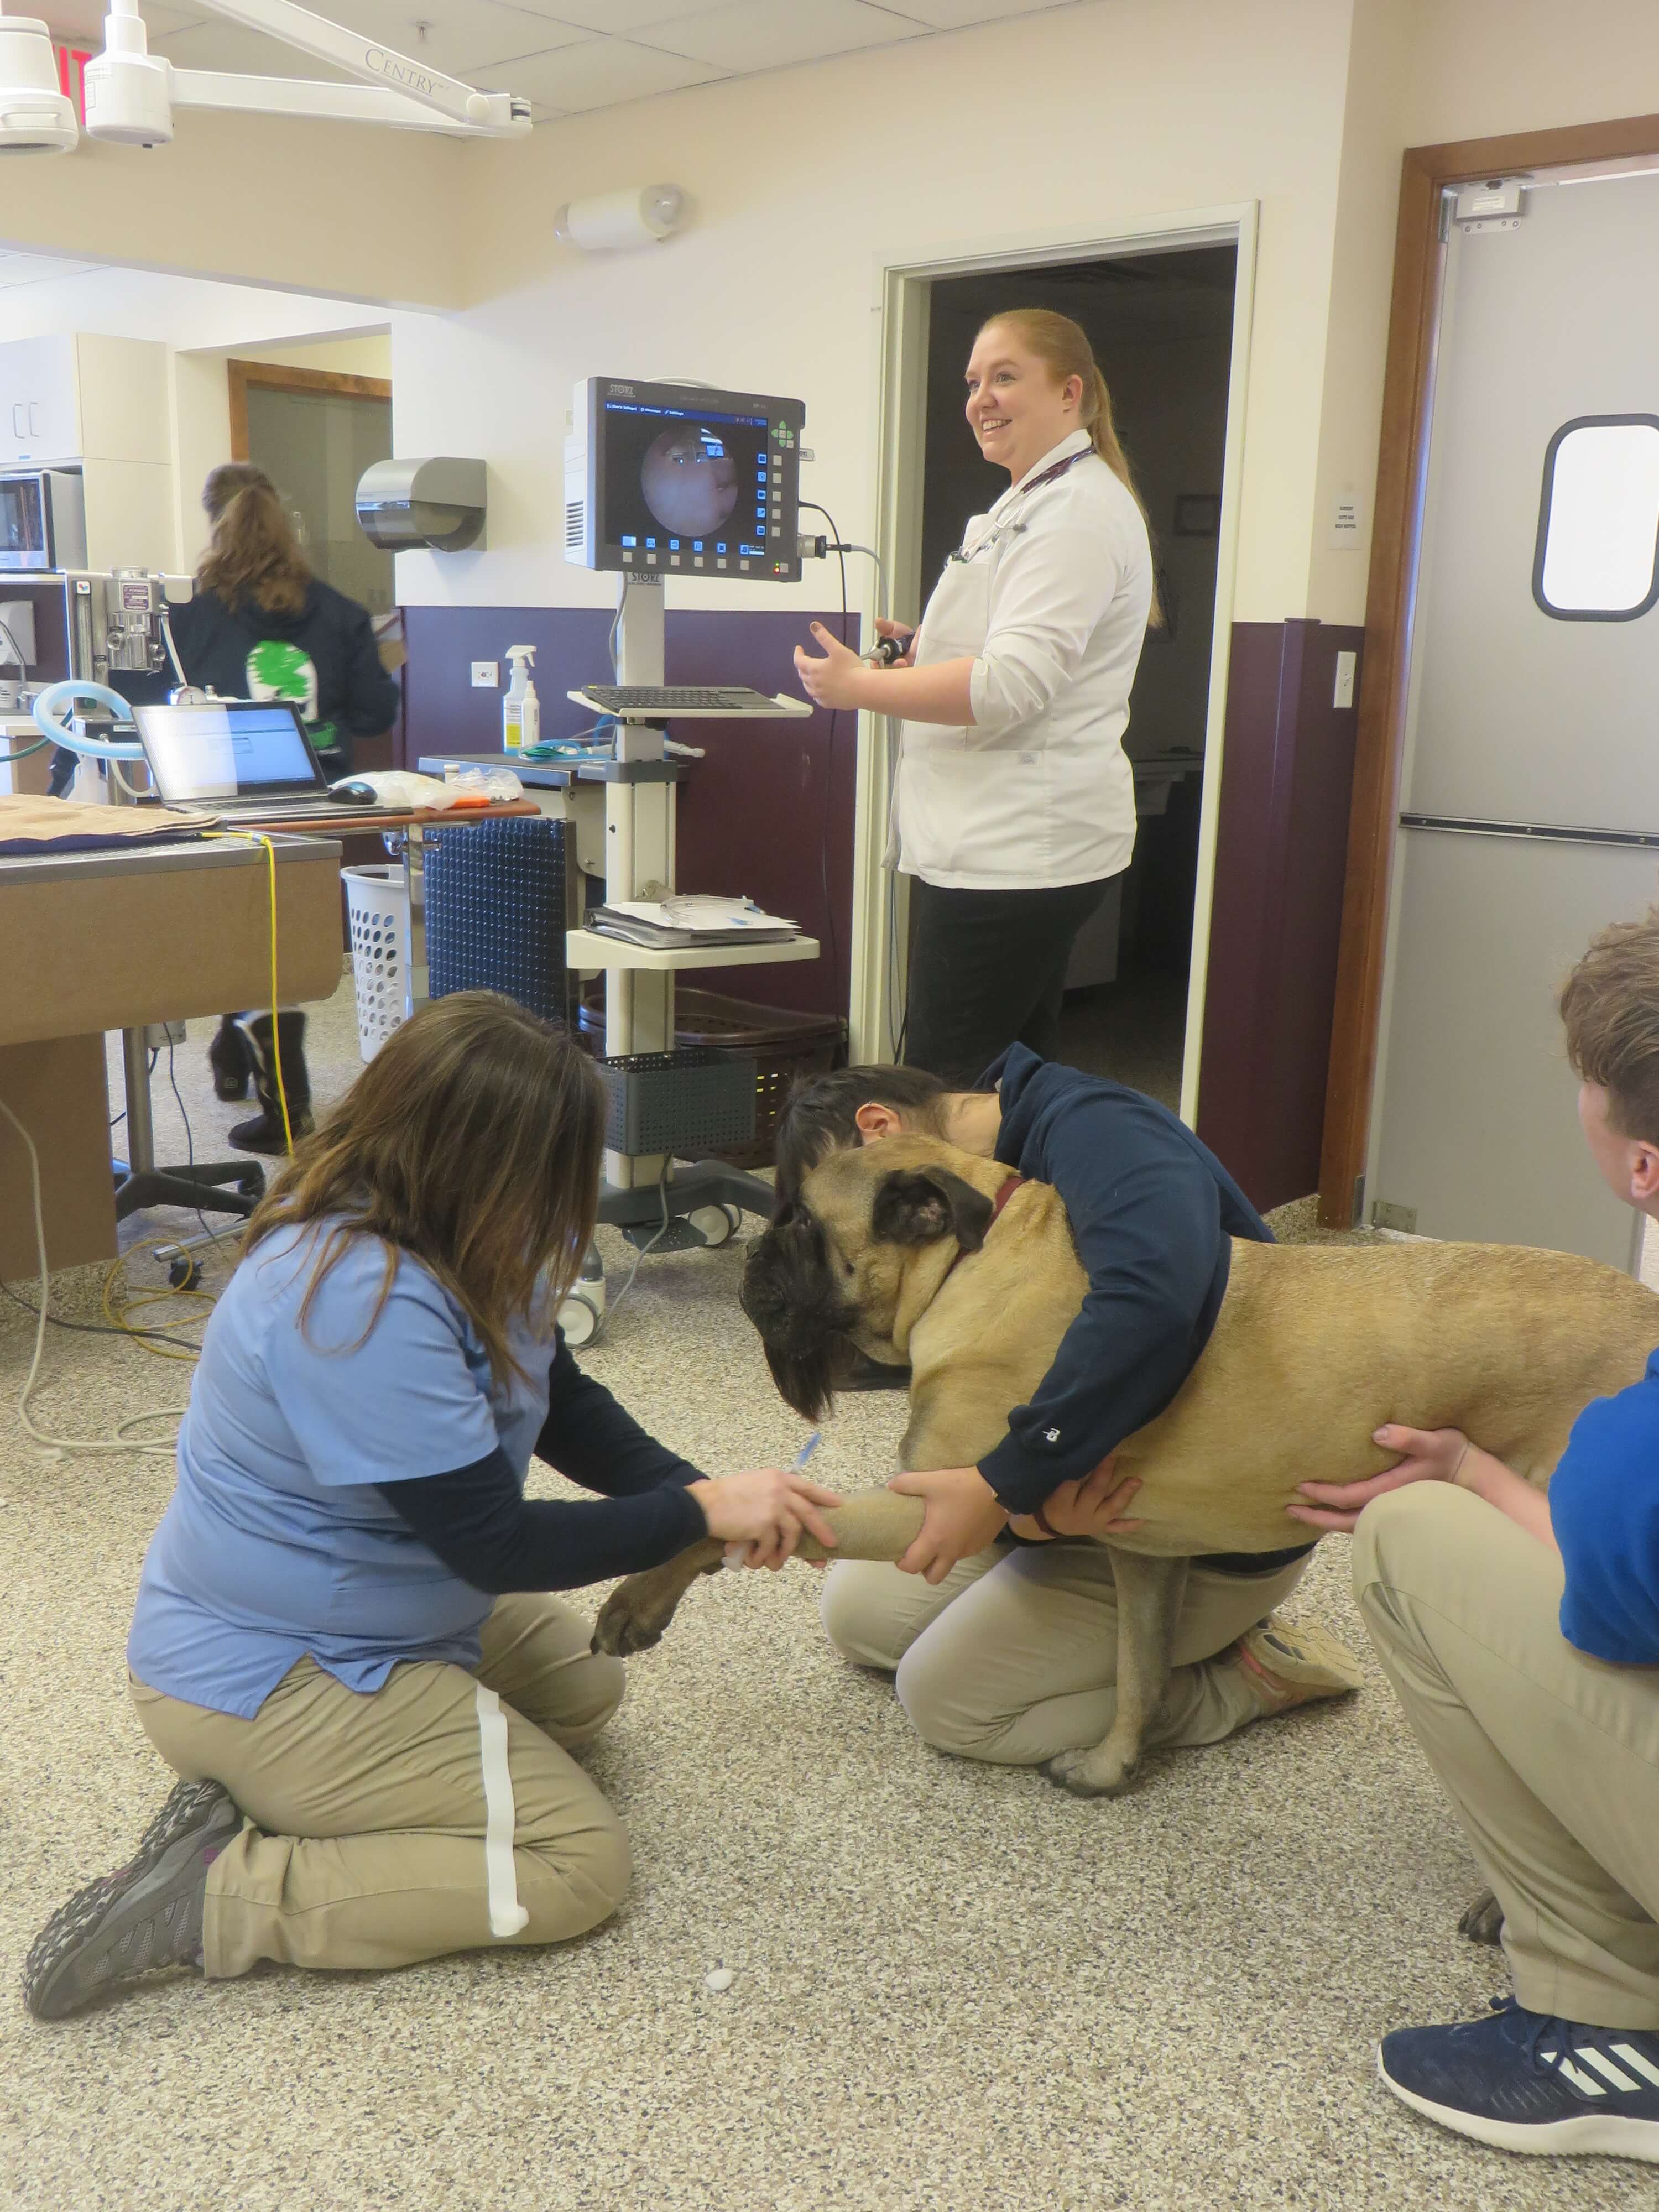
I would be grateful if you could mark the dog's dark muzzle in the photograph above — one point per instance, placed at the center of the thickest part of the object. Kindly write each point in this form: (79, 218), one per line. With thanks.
(790, 1293)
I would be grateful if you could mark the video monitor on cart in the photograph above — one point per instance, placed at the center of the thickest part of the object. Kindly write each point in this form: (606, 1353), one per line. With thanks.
(664, 479)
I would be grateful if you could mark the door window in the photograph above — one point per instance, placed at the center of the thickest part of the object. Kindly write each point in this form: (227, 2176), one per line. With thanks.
(1597, 558)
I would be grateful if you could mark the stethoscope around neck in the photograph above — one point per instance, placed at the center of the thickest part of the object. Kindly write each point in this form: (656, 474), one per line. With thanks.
(1008, 527)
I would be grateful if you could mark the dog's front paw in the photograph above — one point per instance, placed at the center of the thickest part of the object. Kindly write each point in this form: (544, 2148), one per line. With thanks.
(622, 1630)
(1092, 1772)
(1483, 1922)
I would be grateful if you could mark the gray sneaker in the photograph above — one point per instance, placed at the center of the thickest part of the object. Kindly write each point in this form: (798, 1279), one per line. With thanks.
(147, 1915)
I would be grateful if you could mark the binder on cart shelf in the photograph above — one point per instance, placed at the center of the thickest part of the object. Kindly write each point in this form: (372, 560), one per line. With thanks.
(688, 920)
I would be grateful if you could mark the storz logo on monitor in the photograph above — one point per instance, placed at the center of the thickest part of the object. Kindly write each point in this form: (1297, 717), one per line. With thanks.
(620, 391)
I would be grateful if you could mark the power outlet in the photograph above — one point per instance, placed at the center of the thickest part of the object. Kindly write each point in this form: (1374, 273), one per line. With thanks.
(486, 676)
(1343, 695)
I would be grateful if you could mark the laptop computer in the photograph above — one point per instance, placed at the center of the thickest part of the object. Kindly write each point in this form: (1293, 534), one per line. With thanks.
(235, 757)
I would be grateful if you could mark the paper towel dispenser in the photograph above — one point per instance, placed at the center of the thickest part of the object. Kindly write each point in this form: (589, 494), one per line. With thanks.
(437, 504)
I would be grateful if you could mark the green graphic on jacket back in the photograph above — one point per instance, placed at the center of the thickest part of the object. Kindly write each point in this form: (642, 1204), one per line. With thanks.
(278, 669)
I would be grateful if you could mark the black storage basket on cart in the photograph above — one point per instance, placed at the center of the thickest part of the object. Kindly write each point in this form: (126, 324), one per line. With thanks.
(692, 1103)
(779, 1044)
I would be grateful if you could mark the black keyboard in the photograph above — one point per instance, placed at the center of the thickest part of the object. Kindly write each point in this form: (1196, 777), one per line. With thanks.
(677, 698)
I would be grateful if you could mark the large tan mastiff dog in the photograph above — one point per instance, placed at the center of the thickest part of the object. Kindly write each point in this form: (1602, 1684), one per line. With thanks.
(895, 1248)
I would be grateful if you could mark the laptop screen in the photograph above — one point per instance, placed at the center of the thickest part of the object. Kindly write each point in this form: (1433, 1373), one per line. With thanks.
(228, 749)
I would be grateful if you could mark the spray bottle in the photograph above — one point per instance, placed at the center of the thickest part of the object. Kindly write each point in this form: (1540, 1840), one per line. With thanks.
(521, 711)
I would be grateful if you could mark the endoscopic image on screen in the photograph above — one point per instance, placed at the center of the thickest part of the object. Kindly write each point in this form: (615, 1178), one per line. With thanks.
(690, 480)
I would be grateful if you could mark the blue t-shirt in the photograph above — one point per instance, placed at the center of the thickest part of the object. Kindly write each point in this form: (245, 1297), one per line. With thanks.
(1604, 1508)
(276, 1542)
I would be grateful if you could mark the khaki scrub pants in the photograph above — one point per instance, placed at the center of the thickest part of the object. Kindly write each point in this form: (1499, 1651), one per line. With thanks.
(1013, 1656)
(368, 1813)
(1551, 1759)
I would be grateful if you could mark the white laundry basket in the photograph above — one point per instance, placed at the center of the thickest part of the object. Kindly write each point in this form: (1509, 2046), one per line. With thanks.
(382, 952)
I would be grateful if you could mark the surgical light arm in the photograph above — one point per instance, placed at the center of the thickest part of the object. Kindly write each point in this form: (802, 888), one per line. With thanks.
(130, 93)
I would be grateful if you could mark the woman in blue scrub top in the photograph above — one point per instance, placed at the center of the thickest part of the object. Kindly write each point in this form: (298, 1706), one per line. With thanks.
(342, 1641)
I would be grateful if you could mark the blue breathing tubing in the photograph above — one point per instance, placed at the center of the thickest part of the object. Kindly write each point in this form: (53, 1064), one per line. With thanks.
(59, 695)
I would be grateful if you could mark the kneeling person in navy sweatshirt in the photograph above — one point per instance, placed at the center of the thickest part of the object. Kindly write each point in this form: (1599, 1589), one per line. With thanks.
(999, 1622)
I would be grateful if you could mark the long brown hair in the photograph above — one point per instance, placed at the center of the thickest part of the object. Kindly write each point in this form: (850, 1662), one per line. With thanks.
(1064, 345)
(472, 1140)
(252, 553)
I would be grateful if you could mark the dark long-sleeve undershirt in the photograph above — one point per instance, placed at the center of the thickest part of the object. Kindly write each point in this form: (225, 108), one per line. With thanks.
(478, 1523)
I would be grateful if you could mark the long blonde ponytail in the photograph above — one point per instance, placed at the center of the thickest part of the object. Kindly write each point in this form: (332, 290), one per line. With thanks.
(1064, 345)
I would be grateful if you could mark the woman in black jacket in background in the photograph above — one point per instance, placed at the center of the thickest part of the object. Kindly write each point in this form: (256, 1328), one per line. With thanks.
(262, 626)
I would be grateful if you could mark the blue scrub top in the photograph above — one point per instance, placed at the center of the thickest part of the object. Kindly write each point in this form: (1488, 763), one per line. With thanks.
(276, 1542)
(1604, 1510)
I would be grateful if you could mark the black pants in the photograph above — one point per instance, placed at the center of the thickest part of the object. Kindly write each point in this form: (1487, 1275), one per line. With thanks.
(987, 970)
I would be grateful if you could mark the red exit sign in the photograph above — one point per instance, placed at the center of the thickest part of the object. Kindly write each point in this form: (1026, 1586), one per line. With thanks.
(71, 76)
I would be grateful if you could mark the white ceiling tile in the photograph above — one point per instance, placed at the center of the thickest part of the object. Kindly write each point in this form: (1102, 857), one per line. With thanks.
(953, 15)
(36, 269)
(224, 46)
(596, 74)
(619, 19)
(757, 35)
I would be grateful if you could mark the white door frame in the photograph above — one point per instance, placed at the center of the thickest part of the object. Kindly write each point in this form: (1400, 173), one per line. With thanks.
(903, 285)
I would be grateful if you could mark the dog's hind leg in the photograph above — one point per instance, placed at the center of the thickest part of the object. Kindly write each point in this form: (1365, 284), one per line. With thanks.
(1149, 1595)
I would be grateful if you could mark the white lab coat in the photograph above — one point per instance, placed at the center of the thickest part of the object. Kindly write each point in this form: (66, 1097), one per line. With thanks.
(1050, 594)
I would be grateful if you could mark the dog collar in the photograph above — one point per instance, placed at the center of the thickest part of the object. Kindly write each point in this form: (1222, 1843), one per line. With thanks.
(1014, 1183)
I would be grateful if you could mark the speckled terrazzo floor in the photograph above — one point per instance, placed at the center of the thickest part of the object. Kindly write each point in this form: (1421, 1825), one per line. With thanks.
(955, 1987)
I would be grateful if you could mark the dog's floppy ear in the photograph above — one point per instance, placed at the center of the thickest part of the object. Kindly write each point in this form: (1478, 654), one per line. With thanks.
(918, 1208)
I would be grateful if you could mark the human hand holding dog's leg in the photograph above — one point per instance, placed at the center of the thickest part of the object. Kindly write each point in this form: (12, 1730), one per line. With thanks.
(961, 1514)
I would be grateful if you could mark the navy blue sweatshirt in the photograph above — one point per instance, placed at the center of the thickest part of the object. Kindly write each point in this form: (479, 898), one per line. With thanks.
(478, 1523)
(1151, 1210)
(326, 662)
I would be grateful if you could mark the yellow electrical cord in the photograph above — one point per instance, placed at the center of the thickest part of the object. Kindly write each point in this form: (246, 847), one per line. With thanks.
(259, 837)
(118, 1311)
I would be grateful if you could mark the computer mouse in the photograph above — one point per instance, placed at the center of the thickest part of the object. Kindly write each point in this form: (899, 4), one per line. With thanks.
(352, 791)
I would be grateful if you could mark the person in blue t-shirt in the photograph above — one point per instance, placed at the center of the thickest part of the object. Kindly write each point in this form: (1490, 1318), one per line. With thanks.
(1520, 1631)
(997, 1623)
(342, 1640)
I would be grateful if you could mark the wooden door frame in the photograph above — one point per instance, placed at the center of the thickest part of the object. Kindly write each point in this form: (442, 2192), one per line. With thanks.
(1425, 172)
(273, 376)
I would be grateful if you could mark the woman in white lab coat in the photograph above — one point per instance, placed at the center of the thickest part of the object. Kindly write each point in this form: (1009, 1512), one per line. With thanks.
(1014, 806)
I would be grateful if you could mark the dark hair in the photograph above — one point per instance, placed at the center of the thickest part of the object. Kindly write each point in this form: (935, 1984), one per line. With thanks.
(819, 1115)
(472, 1140)
(1610, 1004)
(252, 553)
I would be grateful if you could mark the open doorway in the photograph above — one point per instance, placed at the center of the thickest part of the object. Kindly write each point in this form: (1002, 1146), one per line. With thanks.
(1161, 325)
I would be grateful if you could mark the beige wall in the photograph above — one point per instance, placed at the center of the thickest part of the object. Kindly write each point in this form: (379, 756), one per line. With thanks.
(324, 208)
(805, 182)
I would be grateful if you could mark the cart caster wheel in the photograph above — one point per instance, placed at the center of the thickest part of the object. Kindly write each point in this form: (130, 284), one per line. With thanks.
(579, 1317)
(183, 1274)
(716, 1224)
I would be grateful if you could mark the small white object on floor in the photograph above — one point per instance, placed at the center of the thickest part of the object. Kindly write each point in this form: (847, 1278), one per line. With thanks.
(718, 1979)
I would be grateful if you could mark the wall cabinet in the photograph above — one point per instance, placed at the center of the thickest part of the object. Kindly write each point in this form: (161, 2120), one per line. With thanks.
(83, 397)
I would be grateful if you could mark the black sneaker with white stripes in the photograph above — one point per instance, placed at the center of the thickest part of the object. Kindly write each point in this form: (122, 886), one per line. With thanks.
(1526, 2081)
(148, 1914)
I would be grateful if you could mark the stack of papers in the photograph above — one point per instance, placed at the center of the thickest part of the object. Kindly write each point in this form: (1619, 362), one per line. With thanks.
(694, 920)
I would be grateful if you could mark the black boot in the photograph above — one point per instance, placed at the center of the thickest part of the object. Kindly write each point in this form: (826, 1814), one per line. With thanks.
(230, 1059)
(267, 1132)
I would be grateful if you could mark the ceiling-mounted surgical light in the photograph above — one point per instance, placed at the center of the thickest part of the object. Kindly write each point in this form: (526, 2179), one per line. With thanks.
(129, 90)
(35, 116)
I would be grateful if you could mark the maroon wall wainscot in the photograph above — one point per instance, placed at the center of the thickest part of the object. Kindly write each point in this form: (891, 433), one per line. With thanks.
(768, 813)
(1287, 774)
